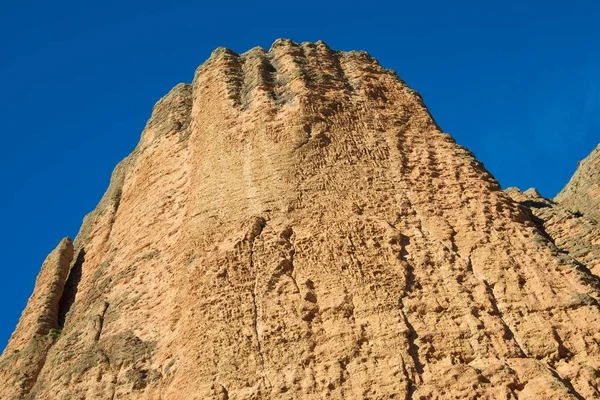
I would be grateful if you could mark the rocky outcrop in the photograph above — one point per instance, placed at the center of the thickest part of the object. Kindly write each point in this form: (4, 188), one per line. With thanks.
(294, 224)
(570, 230)
(582, 193)
(38, 327)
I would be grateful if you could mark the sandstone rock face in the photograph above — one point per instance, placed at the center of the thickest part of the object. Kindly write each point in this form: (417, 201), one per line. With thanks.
(572, 232)
(582, 193)
(38, 327)
(294, 224)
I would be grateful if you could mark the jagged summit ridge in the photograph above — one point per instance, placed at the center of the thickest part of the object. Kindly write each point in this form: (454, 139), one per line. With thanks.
(294, 224)
(288, 67)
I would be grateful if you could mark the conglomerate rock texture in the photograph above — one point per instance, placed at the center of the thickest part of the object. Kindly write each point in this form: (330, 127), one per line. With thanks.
(582, 193)
(567, 227)
(294, 225)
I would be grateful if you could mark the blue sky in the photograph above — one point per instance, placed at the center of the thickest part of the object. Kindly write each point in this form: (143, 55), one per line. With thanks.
(515, 82)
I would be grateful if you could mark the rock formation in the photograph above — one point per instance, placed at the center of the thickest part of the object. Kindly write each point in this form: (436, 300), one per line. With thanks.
(294, 224)
(571, 231)
(582, 193)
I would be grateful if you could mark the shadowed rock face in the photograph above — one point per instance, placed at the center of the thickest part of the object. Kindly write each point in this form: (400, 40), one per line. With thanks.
(293, 224)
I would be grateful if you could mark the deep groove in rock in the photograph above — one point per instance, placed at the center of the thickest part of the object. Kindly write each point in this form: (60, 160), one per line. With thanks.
(497, 311)
(101, 321)
(411, 385)
(413, 349)
(567, 384)
(259, 225)
(225, 393)
(71, 288)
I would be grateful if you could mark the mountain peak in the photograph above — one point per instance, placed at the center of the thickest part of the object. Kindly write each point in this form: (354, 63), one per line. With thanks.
(294, 224)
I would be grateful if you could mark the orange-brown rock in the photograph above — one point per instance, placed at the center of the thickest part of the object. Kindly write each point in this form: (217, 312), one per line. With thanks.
(294, 224)
(572, 232)
(38, 327)
(582, 193)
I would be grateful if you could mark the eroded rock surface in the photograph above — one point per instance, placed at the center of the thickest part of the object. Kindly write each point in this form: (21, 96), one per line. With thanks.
(294, 224)
(582, 193)
(572, 232)
(38, 327)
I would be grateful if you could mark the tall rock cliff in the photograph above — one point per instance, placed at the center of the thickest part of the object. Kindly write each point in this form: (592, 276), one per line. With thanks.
(294, 224)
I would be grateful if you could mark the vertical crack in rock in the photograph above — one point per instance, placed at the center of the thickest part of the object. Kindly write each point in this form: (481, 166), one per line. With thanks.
(100, 325)
(412, 335)
(567, 384)
(71, 287)
(257, 228)
(289, 269)
(509, 334)
(409, 381)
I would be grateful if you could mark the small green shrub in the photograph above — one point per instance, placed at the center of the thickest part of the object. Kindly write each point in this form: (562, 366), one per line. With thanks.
(54, 333)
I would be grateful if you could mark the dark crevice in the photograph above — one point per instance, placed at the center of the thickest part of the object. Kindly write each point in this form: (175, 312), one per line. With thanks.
(413, 348)
(508, 332)
(539, 223)
(567, 384)
(411, 335)
(71, 287)
(411, 389)
(101, 321)
(563, 351)
(535, 204)
(586, 275)
(225, 392)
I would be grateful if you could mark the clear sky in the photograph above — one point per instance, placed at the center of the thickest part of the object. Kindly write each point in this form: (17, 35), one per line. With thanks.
(517, 82)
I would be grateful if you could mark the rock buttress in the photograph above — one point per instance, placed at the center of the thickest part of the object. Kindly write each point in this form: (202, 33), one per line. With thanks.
(38, 327)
